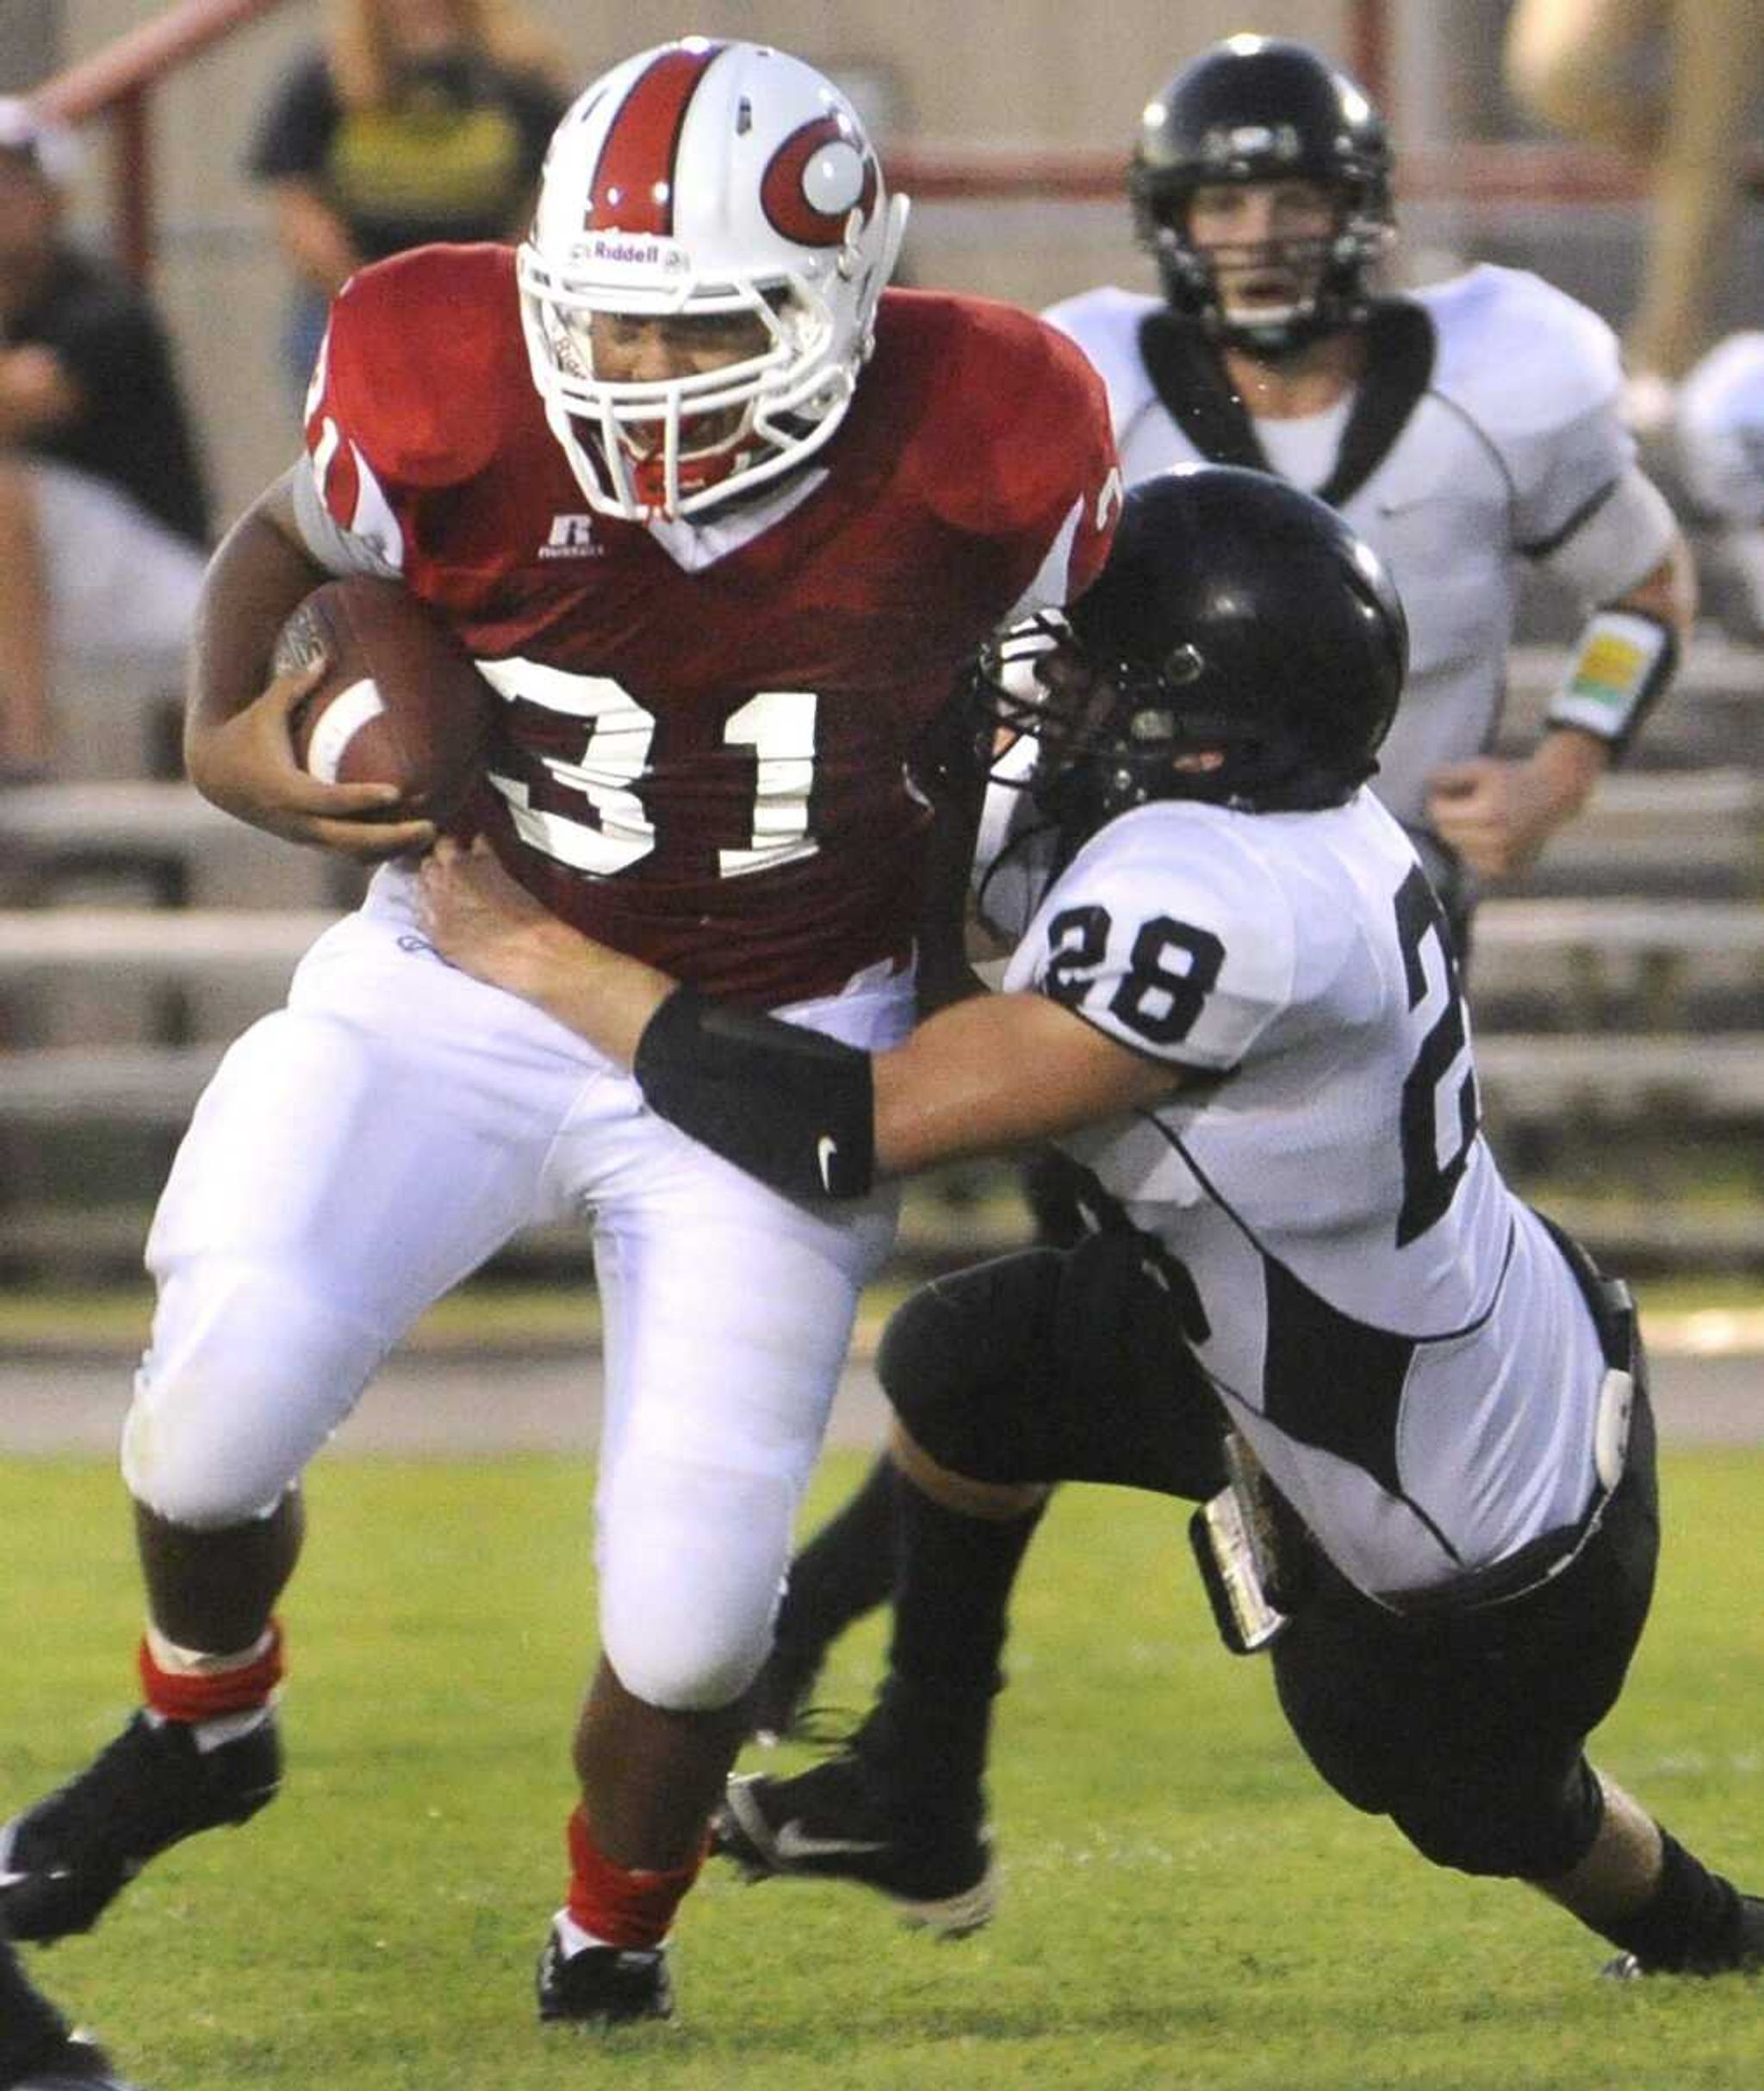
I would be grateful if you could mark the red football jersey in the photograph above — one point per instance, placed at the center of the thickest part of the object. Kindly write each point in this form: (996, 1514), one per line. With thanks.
(708, 768)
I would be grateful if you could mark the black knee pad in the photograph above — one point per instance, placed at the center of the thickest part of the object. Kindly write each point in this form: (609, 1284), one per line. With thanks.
(1055, 1366)
(962, 1359)
(1510, 1831)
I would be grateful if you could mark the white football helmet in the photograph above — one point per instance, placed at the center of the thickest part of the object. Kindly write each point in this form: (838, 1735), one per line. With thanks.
(701, 178)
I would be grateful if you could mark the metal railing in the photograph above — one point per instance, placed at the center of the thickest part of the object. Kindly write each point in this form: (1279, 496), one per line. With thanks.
(117, 83)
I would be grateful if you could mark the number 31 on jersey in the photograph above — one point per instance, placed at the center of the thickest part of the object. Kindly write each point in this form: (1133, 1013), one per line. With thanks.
(777, 725)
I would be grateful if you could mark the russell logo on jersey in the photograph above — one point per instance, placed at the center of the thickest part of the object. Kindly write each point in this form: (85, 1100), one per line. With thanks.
(572, 538)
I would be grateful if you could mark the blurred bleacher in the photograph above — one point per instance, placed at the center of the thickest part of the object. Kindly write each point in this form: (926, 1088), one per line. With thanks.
(1617, 992)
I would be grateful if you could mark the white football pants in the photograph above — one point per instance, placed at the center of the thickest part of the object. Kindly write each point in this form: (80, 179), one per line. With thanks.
(364, 1149)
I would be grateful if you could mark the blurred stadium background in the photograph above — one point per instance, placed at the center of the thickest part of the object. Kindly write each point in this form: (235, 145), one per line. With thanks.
(1618, 993)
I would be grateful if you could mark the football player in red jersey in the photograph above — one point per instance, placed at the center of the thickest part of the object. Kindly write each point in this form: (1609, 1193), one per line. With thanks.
(723, 524)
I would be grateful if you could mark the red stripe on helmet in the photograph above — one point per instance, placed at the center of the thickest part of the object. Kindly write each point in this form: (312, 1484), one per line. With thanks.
(633, 186)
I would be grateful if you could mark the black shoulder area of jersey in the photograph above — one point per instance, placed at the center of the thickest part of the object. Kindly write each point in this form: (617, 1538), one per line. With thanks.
(1189, 377)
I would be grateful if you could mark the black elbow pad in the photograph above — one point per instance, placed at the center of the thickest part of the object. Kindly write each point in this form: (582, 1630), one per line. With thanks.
(790, 1106)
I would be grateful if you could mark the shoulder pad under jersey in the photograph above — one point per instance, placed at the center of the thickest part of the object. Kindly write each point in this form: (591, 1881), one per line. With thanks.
(1015, 444)
(422, 362)
(1105, 324)
(1522, 359)
(1172, 930)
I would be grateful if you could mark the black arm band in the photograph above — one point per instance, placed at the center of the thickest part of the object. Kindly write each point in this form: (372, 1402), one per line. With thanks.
(790, 1106)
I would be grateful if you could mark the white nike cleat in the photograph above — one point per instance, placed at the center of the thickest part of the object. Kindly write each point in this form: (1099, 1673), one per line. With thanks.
(603, 1985)
(829, 1823)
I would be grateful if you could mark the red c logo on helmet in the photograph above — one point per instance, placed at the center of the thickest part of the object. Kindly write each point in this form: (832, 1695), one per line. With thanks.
(818, 178)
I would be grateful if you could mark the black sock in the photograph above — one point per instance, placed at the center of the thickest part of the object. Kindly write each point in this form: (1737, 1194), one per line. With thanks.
(1693, 1919)
(31, 2029)
(846, 1570)
(927, 1738)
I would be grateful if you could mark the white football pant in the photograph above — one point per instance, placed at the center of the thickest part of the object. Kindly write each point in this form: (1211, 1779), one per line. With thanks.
(364, 1149)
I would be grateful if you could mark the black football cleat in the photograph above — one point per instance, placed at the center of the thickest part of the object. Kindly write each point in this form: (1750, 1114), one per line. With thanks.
(1741, 1953)
(603, 1985)
(76, 2065)
(39, 2051)
(829, 1823)
(62, 1861)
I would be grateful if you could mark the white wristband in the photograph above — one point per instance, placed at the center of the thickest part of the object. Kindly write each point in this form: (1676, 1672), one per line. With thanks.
(1622, 662)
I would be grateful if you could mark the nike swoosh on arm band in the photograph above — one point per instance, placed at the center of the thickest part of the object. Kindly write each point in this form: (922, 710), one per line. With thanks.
(790, 1106)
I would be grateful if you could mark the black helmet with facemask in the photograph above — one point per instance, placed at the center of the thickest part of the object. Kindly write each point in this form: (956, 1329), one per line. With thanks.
(1256, 108)
(1242, 646)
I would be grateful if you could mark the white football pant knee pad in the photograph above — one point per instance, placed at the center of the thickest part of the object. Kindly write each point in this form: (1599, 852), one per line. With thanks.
(246, 1377)
(692, 1561)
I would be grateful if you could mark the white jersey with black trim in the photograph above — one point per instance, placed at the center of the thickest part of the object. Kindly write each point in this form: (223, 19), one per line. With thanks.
(1395, 1333)
(1489, 428)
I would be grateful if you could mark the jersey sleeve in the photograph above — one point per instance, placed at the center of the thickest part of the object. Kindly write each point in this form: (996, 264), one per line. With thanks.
(1168, 935)
(1541, 377)
(1039, 472)
(404, 399)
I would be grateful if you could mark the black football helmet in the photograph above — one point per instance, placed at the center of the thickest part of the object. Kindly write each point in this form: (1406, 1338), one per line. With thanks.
(1237, 617)
(1255, 109)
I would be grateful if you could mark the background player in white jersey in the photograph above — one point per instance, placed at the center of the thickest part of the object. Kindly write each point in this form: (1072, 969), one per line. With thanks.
(1469, 432)
(671, 474)
(1720, 429)
(1236, 1004)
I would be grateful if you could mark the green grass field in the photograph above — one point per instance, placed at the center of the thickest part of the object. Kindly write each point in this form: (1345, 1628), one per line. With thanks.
(1184, 1906)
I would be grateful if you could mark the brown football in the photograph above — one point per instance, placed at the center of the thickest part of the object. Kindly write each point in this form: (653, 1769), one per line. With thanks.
(400, 703)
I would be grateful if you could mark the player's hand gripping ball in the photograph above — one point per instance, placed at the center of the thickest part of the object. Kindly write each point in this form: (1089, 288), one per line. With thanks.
(399, 701)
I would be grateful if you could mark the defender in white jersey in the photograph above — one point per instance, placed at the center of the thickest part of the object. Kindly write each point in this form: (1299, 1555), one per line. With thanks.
(1238, 1003)
(1467, 431)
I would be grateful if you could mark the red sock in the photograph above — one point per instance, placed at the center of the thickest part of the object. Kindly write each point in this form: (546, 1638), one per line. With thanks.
(621, 1906)
(183, 1696)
